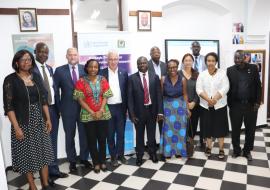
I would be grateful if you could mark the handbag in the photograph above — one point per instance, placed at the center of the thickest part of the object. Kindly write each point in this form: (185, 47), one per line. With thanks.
(189, 140)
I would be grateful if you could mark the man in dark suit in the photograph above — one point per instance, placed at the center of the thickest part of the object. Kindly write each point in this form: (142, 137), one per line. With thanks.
(46, 73)
(118, 80)
(65, 78)
(244, 98)
(145, 107)
(158, 67)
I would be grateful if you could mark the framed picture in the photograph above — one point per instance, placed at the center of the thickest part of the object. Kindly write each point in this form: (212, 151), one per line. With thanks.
(257, 57)
(28, 19)
(144, 19)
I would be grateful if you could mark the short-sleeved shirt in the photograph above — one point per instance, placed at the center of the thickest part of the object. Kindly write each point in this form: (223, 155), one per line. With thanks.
(93, 95)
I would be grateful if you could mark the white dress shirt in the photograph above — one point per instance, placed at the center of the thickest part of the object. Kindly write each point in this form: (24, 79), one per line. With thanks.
(115, 87)
(147, 80)
(50, 78)
(157, 68)
(76, 70)
(211, 84)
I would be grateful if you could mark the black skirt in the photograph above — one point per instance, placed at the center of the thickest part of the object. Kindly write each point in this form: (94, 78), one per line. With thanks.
(214, 123)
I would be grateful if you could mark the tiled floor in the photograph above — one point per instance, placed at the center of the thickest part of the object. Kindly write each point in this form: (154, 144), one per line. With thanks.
(176, 173)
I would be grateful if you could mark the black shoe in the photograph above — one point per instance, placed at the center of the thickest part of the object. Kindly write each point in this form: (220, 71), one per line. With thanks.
(86, 163)
(47, 188)
(154, 158)
(248, 156)
(114, 162)
(51, 182)
(236, 154)
(103, 167)
(97, 169)
(59, 175)
(139, 161)
(122, 159)
(72, 167)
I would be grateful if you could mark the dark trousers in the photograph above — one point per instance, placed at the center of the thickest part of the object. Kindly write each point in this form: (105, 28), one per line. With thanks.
(53, 167)
(116, 130)
(148, 121)
(96, 133)
(239, 113)
(194, 120)
(69, 123)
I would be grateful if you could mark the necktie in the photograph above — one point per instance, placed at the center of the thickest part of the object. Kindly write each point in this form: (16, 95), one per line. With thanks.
(196, 66)
(74, 75)
(145, 89)
(46, 84)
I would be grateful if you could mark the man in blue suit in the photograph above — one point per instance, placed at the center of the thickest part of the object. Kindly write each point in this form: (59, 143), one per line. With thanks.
(65, 78)
(145, 107)
(46, 73)
(118, 80)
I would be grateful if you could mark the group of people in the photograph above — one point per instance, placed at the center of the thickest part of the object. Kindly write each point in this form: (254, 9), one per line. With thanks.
(97, 101)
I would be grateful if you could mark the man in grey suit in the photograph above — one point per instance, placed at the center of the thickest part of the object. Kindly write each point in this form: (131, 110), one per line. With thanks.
(158, 67)
(65, 78)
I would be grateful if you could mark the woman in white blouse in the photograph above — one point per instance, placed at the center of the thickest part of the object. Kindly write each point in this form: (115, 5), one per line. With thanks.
(212, 87)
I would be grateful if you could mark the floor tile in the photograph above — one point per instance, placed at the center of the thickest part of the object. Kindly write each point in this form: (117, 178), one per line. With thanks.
(208, 183)
(258, 171)
(135, 182)
(116, 178)
(235, 177)
(226, 185)
(156, 185)
(236, 168)
(179, 187)
(85, 183)
(186, 180)
(171, 167)
(191, 170)
(105, 186)
(149, 164)
(195, 162)
(258, 181)
(144, 172)
(69, 181)
(212, 173)
(126, 169)
(215, 164)
(164, 176)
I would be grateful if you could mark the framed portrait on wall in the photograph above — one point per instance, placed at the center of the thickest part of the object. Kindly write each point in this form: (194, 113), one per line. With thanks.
(257, 57)
(28, 19)
(144, 19)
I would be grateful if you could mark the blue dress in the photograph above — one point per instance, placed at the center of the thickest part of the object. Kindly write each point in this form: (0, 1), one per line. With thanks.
(173, 136)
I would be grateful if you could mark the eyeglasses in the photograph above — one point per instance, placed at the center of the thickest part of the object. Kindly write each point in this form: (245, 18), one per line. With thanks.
(172, 68)
(25, 60)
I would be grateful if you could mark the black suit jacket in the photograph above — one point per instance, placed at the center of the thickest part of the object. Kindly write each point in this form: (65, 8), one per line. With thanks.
(163, 67)
(123, 84)
(63, 81)
(253, 81)
(136, 95)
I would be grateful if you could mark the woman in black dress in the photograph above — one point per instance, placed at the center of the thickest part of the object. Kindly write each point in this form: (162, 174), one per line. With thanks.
(25, 104)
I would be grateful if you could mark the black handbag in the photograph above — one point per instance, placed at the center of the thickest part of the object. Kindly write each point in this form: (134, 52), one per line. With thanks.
(189, 139)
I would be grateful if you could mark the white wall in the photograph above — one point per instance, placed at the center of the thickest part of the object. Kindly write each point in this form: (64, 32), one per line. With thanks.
(59, 26)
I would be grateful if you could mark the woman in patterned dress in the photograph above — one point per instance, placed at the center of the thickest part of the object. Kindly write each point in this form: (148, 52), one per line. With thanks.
(173, 136)
(26, 106)
(92, 92)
